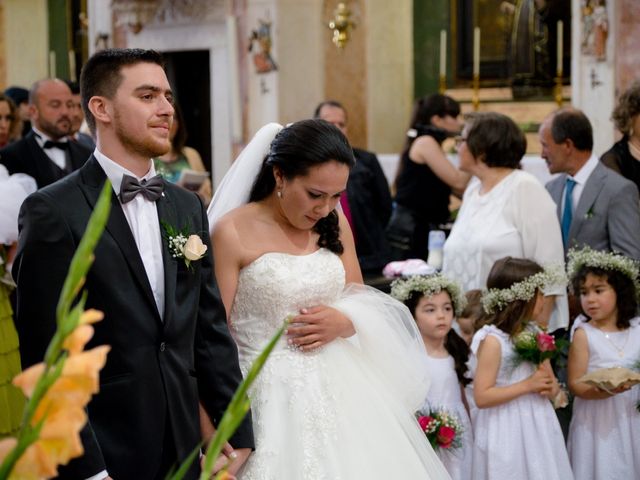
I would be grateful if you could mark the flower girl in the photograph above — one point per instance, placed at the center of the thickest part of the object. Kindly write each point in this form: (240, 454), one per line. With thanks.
(516, 432)
(604, 436)
(433, 300)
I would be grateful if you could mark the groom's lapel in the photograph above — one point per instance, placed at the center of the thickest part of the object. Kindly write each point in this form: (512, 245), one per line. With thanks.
(167, 214)
(117, 226)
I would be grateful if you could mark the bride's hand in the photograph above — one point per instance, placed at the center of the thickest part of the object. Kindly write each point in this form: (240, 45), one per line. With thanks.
(316, 326)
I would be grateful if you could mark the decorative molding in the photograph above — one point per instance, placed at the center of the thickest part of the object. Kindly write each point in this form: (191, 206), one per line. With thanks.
(211, 37)
(139, 14)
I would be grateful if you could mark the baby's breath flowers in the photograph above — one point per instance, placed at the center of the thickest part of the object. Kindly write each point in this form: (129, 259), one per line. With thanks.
(587, 257)
(429, 285)
(496, 299)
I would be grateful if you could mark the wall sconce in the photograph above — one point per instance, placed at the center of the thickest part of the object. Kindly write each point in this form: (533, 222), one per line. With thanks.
(341, 24)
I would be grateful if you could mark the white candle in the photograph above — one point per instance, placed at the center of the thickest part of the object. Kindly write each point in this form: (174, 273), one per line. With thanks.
(559, 44)
(443, 53)
(72, 66)
(234, 80)
(52, 64)
(476, 51)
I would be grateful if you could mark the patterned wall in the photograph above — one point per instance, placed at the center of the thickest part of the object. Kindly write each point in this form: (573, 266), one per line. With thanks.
(627, 55)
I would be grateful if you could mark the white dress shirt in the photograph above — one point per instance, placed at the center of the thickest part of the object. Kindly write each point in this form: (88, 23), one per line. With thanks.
(57, 156)
(142, 216)
(580, 178)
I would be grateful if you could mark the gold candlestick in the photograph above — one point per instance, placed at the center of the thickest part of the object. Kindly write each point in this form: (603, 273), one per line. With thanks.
(558, 89)
(475, 98)
(443, 84)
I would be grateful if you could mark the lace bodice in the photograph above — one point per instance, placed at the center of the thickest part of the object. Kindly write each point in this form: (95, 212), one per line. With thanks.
(276, 285)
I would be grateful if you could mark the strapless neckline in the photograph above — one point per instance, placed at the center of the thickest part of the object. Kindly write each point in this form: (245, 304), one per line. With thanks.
(264, 255)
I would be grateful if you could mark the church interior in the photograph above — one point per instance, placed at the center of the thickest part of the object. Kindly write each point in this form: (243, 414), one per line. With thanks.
(235, 65)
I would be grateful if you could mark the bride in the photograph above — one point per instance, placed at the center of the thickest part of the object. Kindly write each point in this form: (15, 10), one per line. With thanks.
(336, 398)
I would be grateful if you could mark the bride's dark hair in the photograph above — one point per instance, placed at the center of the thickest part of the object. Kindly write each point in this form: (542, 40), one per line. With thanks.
(297, 148)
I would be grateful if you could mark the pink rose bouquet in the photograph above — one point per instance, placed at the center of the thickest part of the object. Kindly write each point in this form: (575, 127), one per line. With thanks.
(535, 345)
(442, 429)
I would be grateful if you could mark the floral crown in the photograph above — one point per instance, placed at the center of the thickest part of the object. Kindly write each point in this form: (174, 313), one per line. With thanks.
(495, 299)
(587, 257)
(429, 285)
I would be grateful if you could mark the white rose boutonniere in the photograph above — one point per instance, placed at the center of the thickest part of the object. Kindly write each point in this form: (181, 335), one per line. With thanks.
(183, 245)
(194, 249)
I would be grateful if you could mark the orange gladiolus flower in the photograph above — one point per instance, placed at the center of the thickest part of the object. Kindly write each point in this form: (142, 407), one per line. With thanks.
(62, 408)
(77, 339)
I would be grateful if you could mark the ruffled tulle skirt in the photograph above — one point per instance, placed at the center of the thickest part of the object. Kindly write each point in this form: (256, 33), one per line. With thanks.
(345, 411)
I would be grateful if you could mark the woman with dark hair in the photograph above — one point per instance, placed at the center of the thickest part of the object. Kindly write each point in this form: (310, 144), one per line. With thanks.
(505, 211)
(10, 124)
(425, 178)
(180, 158)
(351, 354)
(624, 156)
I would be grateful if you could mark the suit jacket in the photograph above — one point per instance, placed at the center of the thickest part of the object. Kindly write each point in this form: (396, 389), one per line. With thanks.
(26, 156)
(370, 205)
(157, 369)
(607, 216)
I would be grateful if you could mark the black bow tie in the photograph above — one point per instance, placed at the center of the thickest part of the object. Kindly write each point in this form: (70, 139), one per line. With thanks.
(52, 144)
(151, 189)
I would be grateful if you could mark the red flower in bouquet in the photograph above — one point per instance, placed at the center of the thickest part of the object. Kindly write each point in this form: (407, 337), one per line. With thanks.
(424, 422)
(442, 429)
(446, 436)
(546, 342)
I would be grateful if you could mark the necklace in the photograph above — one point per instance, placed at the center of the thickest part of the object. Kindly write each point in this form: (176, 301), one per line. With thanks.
(620, 350)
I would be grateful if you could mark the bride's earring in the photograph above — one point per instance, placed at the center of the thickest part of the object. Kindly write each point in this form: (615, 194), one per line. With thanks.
(279, 193)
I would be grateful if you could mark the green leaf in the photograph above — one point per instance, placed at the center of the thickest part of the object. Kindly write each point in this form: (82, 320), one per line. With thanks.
(67, 319)
(83, 258)
(238, 407)
(186, 465)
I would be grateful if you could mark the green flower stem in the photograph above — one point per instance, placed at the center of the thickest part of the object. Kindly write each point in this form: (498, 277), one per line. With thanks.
(238, 407)
(80, 265)
(28, 435)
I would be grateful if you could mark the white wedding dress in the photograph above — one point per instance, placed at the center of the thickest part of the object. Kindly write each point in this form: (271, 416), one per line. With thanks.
(344, 411)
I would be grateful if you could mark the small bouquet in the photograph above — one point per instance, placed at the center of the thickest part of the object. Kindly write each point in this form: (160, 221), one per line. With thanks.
(443, 429)
(535, 346)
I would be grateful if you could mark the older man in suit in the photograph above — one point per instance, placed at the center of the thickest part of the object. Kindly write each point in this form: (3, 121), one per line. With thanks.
(596, 206)
(45, 153)
(163, 317)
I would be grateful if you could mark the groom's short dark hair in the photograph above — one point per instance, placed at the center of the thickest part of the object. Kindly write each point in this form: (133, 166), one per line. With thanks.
(101, 74)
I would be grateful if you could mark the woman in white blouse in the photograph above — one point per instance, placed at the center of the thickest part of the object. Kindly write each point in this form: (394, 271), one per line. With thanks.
(505, 212)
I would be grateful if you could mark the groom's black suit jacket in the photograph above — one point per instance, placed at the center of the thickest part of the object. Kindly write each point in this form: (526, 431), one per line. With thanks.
(26, 156)
(157, 368)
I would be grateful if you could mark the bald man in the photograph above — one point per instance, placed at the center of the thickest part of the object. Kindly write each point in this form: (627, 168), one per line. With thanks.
(45, 153)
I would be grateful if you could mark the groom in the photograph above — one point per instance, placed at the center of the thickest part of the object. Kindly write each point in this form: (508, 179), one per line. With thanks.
(165, 322)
